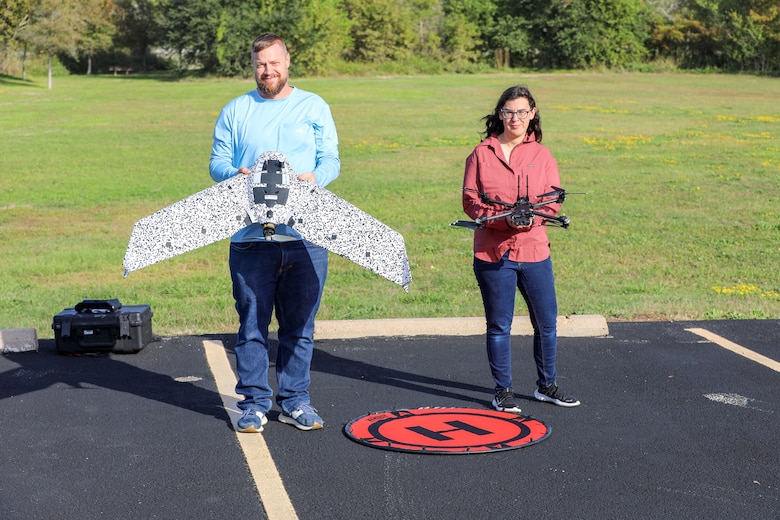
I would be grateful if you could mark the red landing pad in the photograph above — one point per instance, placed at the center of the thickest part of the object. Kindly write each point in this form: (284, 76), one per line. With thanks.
(446, 430)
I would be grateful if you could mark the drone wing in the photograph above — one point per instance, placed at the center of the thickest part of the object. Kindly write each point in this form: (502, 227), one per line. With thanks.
(327, 220)
(199, 220)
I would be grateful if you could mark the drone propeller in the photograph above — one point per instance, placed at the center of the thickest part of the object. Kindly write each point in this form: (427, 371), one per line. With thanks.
(466, 224)
(556, 191)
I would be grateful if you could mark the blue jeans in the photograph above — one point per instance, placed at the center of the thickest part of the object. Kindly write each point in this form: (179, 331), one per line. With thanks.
(497, 283)
(286, 277)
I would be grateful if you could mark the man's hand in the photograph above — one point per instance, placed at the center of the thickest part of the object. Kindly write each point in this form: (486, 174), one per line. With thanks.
(308, 177)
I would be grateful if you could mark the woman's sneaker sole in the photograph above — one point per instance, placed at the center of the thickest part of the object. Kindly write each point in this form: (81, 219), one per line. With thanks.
(547, 399)
(512, 409)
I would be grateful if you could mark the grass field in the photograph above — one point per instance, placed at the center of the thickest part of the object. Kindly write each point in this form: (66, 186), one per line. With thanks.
(681, 219)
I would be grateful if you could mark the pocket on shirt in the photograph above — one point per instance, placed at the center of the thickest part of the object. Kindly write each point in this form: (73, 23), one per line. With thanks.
(297, 138)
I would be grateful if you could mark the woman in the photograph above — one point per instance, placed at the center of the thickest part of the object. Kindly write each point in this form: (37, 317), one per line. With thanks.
(514, 253)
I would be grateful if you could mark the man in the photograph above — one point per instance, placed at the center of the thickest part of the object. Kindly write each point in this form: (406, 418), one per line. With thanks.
(285, 276)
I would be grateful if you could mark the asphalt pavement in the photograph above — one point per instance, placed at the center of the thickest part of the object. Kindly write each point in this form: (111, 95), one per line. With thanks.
(673, 424)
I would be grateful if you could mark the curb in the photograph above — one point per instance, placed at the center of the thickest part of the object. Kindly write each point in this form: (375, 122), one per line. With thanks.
(18, 340)
(577, 326)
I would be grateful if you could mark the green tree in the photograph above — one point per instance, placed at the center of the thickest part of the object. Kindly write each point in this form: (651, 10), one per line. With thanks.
(99, 28)
(426, 19)
(526, 31)
(510, 35)
(14, 14)
(382, 30)
(665, 9)
(55, 27)
(751, 39)
(139, 27)
(687, 40)
(736, 34)
(237, 27)
(592, 33)
(320, 36)
(316, 33)
(188, 28)
(467, 25)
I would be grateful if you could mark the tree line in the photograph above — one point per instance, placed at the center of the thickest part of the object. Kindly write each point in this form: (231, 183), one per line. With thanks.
(327, 36)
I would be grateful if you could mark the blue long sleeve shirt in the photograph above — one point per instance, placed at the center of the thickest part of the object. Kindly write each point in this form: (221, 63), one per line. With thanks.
(300, 126)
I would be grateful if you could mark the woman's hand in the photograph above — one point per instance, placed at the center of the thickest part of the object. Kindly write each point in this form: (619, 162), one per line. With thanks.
(511, 224)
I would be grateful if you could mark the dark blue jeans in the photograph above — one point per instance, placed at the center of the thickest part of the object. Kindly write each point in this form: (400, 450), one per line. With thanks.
(286, 277)
(498, 282)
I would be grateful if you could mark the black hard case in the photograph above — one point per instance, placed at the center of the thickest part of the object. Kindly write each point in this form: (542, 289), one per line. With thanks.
(103, 326)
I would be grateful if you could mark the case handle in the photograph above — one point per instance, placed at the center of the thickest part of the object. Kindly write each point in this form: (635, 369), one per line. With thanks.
(90, 306)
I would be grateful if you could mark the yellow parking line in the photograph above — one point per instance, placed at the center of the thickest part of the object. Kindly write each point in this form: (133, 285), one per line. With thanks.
(267, 480)
(737, 349)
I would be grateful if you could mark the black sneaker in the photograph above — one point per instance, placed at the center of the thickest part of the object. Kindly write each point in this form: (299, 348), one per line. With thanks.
(504, 401)
(552, 394)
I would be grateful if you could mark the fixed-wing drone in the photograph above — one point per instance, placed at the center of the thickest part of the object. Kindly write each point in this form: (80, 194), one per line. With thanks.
(271, 195)
(522, 212)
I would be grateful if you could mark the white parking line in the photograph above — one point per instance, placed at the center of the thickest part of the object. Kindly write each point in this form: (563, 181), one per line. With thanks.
(269, 484)
(737, 349)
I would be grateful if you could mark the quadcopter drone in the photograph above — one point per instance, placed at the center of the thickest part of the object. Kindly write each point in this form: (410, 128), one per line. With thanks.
(522, 212)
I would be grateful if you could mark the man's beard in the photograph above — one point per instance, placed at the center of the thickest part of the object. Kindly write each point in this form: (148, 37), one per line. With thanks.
(264, 87)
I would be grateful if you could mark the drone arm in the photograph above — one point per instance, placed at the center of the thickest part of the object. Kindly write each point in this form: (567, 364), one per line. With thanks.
(476, 203)
(481, 221)
(484, 211)
(487, 216)
(553, 195)
(553, 220)
(550, 207)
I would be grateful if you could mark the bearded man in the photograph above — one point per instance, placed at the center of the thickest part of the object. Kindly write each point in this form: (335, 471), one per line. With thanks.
(284, 276)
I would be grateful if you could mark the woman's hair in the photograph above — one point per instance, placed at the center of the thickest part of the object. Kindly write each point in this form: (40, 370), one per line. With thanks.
(266, 40)
(493, 123)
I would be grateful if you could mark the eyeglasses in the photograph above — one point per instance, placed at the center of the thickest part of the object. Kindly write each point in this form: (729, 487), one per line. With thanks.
(521, 114)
